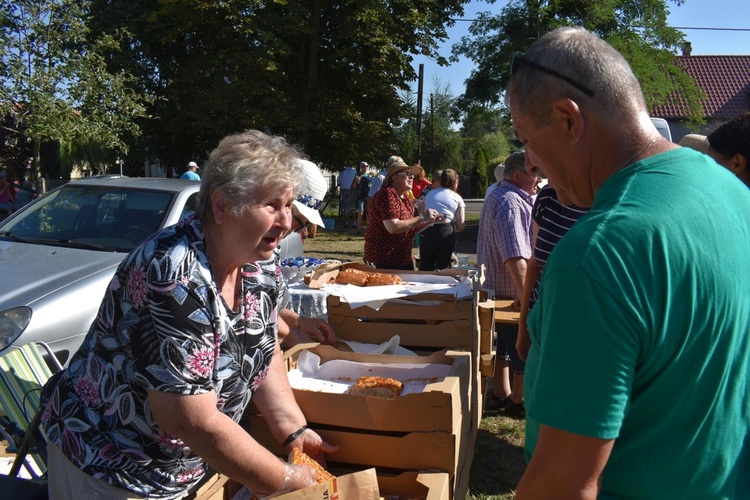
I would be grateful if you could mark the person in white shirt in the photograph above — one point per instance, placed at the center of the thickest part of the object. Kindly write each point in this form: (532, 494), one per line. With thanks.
(438, 241)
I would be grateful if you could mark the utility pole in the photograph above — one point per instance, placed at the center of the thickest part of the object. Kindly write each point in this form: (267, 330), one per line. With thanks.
(419, 114)
(432, 124)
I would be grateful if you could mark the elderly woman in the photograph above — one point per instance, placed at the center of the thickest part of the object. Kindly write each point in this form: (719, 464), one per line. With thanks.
(186, 335)
(438, 241)
(392, 224)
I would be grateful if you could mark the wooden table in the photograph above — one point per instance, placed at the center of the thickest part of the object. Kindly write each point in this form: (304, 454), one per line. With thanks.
(505, 312)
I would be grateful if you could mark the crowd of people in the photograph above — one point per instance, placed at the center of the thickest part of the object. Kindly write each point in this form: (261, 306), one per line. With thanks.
(630, 363)
(397, 204)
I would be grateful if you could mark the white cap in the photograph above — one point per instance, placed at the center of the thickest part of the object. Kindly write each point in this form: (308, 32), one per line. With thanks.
(311, 198)
(192, 164)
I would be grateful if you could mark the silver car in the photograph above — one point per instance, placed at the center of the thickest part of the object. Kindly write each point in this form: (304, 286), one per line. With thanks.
(58, 254)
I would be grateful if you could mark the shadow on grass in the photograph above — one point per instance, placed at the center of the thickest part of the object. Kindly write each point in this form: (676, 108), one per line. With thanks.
(499, 460)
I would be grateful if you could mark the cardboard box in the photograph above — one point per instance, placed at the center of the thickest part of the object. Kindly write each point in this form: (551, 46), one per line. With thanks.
(445, 324)
(362, 485)
(410, 451)
(463, 324)
(437, 408)
(424, 485)
(327, 275)
(212, 489)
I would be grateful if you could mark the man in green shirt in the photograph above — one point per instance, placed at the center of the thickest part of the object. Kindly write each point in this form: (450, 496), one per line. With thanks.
(638, 377)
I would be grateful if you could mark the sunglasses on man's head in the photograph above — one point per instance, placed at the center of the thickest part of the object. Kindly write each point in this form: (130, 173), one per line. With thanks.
(519, 60)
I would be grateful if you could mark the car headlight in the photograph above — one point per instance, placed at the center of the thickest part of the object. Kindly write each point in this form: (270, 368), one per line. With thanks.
(12, 324)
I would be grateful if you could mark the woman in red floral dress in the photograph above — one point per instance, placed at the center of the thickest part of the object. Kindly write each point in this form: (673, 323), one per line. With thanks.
(392, 224)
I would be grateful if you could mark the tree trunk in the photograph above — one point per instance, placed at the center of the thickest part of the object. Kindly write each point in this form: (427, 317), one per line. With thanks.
(36, 168)
(311, 70)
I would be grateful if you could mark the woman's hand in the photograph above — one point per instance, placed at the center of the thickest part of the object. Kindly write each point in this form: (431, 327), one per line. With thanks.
(430, 215)
(296, 477)
(313, 445)
(318, 329)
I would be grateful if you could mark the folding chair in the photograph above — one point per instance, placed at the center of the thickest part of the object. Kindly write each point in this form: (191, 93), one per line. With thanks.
(23, 372)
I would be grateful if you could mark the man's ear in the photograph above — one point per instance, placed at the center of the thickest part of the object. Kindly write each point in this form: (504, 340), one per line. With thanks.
(569, 117)
(739, 164)
(219, 206)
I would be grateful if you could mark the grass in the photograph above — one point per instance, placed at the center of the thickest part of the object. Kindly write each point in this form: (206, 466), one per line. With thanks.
(498, 457)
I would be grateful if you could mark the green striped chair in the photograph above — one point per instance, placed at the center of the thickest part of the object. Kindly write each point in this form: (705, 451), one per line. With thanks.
(23, 372)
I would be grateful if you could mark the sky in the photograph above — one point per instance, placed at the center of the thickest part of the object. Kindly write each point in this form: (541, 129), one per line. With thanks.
(692, 13)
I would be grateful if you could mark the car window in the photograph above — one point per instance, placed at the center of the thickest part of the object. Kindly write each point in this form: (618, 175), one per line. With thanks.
(190, 205)
(115, 219)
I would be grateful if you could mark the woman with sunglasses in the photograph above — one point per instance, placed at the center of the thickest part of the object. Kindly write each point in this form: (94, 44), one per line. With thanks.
(391, 225)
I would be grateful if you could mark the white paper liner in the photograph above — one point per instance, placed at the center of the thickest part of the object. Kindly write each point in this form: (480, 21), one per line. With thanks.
(375, 296)
(390, 347)
(337, 376)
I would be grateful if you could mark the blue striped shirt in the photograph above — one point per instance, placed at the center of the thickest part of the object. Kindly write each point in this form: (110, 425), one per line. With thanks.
(554, 220)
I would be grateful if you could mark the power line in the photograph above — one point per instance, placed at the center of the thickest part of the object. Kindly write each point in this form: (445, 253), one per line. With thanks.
(709, 29)
(675, 27)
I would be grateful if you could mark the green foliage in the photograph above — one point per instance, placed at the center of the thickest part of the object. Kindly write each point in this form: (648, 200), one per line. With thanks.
(468, 148)
(53, 78)
(637, 28)
(326, 75)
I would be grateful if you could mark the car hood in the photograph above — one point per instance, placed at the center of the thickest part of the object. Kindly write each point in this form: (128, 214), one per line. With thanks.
(31, 272)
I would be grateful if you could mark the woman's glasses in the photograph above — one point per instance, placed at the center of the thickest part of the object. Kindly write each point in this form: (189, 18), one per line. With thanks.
(407, 173)
(519, 60)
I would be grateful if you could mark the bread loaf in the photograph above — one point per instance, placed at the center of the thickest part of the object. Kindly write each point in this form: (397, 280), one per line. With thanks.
(352, 277)
(377, 279)
(377, 386)
(298, 457)
(361, 278)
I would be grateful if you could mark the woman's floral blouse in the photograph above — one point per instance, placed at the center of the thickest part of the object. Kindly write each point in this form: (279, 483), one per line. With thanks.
(162, 325)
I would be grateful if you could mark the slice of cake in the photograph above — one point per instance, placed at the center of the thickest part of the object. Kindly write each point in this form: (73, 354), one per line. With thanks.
(377, 386)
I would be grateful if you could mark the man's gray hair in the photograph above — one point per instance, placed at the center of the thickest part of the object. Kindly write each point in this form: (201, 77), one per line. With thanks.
(585, 58)
(514, 163)
(248, 167)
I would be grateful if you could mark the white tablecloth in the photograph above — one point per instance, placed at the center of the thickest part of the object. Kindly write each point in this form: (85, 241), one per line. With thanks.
(306, 301)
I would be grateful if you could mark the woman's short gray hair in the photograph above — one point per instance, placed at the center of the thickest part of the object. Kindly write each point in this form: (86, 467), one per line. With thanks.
(246, 167)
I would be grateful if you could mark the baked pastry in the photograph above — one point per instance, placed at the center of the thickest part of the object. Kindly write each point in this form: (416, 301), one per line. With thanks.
(298, 457)
(377, 386)
(352, 277)
(377, 279)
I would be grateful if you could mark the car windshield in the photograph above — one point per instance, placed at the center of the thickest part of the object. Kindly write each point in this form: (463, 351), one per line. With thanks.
(91, 217)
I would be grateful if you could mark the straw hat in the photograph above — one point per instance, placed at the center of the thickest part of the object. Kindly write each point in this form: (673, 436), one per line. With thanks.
(396, 167)
(311, 198)
(697, 142)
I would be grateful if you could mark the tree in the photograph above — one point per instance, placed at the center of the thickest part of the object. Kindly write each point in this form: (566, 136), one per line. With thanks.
(637, 28)
(472, 150)
(54, 81)
(326, 75)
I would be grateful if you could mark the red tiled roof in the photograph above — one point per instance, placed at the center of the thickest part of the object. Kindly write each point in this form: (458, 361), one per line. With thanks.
(724, 79)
